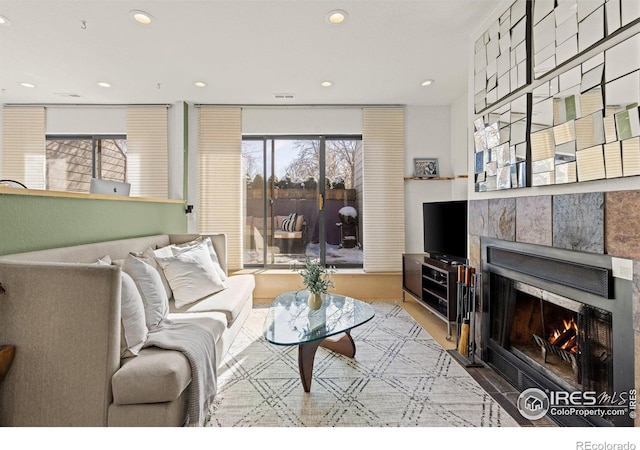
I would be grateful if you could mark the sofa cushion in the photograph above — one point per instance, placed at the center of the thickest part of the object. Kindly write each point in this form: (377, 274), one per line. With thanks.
(159, 375)
(214, 321)
(149, 283)
(279, 234)
(155, 375)
(191, 274)
(230, 301)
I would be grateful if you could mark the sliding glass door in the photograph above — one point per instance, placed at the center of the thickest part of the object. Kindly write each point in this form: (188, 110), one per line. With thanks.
(342, 204)
(296, 189)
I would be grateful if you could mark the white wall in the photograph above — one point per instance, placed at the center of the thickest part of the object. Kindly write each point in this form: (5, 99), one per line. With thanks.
(301, 120)
(86, 120)
(428, 134)
(459, 148)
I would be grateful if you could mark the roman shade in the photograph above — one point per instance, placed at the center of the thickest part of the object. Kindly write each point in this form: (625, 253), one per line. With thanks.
(147, 151)
(383, 188)
(23, 145)
(220, 171)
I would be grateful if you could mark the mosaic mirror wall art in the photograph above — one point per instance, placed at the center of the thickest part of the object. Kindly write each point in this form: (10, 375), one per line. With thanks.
(563, 30)
(501, 147)
(500, 57)
(585, 122)
(576, 119)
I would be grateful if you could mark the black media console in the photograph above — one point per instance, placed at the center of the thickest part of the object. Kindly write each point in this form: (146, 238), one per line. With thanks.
(431, 280)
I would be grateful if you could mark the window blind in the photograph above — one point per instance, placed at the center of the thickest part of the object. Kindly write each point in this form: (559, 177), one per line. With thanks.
(23, 145)
(383, 188)
(220, 171)
(148, 151)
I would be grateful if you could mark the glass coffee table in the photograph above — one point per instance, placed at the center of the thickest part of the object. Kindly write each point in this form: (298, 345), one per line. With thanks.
(290, 321)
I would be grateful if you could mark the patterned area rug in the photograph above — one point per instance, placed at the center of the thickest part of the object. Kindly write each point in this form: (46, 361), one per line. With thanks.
(400, 377)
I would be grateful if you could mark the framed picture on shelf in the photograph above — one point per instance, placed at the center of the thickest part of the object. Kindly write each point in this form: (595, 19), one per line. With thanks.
(426, 167)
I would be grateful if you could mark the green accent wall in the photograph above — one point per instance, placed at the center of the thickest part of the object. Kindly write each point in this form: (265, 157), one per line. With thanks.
(32, 222)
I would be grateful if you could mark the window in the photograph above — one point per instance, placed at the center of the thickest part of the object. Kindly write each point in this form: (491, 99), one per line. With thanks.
(71, 161)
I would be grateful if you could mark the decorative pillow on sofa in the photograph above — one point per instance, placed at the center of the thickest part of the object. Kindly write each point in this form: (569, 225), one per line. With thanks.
(191, 274)
(134, 328)
(289, 223)
(149, 256)
(177, 248)
(105, 260)
(149, 284)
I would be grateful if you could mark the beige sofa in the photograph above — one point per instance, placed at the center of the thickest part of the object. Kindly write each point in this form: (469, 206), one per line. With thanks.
(61, 310)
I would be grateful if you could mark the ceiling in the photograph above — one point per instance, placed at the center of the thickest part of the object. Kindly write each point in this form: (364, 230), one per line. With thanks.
(245, 51)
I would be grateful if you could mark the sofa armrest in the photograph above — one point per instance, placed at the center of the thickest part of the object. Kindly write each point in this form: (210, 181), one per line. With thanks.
(64, 320)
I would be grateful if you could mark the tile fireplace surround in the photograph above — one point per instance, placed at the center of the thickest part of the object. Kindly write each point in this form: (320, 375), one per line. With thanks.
(599, 223)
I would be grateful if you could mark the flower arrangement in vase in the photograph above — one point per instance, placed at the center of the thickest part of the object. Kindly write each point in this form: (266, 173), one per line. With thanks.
(317, 279)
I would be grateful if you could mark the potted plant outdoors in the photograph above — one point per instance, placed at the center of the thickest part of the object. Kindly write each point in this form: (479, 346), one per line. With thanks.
(317, 279)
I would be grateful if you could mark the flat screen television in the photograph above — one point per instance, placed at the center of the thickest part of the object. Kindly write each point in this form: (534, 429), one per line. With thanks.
(445, 230)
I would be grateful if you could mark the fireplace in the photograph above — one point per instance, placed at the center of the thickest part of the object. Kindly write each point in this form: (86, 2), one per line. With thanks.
(558, 321)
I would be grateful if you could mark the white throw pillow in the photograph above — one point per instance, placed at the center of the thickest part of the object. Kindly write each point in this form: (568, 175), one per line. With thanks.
(105, 260)
(149, 284)
(134, 327)
(191, 274)
(212, 253)
(149, 256)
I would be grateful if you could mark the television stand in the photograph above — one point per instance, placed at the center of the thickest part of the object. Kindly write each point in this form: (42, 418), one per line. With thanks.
(432, 283)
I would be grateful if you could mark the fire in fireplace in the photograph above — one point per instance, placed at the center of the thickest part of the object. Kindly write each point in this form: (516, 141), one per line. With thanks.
(542, 329)
(562, 344)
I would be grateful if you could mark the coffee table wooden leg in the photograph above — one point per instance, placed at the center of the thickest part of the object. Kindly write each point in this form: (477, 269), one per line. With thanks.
(343, 345)
(306, 355)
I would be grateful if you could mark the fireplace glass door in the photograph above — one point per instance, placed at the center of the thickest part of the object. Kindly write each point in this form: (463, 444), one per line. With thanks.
(564, 339)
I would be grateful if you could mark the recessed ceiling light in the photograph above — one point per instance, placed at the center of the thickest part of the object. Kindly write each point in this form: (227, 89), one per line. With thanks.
(141, 17)
(200, 84)
(4, 21)
(427, 82)
(29, 85)
(104, 84)
(337, 16)
(326, 83)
